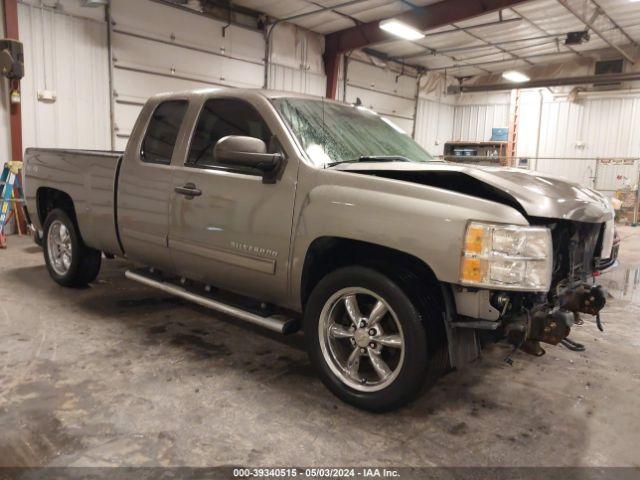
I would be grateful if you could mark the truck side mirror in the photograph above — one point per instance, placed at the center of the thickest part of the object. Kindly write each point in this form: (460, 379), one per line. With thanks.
(247, 152)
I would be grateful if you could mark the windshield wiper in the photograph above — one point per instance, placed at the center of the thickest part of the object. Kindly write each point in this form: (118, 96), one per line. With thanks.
(372, 158)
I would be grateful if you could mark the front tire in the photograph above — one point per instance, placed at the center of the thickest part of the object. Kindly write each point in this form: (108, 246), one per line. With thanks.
(366, 337)
(69, 261)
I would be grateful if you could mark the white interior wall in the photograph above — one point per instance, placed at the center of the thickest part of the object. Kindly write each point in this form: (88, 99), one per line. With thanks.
(5, 131)
(385, 91)
(157, 48)
(295, 61)
(434, 124)
(476, 114)
(567, 136)
(591, 128)
(65, 54)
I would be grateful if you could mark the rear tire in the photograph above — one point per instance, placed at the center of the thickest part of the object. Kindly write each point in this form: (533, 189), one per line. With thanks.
(379, 368)
(69, 261)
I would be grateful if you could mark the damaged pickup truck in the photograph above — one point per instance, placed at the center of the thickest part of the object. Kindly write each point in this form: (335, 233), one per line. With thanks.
(289, 211)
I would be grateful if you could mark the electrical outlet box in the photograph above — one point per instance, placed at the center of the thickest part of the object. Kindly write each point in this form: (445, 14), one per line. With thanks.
(48, 96)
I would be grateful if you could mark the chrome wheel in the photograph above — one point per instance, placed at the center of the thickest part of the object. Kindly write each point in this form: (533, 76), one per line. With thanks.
(59, 247)
(361, 339)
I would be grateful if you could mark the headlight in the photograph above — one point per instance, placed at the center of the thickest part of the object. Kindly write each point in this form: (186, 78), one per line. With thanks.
(507, 257)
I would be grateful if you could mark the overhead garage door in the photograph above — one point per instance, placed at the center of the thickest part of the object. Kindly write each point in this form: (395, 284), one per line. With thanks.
(158, 48)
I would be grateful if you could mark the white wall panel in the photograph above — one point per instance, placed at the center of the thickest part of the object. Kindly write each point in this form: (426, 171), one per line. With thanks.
(560, 143)
(531, 102)
(67, 55)
(611, 127)
(473, 122)
(384, 91)
(574, 134)
(297, 48)
(434, 125)
(138, 54)
(379, 79)
(295, 61)
(158, 48)
(184, 28)
(296, 80)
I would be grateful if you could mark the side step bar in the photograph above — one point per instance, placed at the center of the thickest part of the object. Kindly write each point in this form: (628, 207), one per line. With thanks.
(276, 323)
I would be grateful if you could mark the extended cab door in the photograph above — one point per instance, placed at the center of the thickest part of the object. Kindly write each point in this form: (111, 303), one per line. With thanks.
(145, 183)
(228, 228)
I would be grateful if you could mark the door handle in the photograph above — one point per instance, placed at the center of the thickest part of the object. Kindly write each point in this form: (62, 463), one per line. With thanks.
(189, 190)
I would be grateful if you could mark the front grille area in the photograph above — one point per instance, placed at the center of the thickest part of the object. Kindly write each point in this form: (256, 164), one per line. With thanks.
(576, 246)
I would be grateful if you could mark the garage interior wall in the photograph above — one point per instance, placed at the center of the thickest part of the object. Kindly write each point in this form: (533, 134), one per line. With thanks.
(594, 127)
(434, 123)
(383, 90)
(295, 61)
(475, 115)
(158, 48)
(65, 54)
(568, 136)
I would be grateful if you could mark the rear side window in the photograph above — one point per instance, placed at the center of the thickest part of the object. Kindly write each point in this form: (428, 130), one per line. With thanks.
(162, 132)
(220, 118)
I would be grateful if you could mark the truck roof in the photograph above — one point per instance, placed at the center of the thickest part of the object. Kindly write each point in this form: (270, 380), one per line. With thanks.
(236, 92)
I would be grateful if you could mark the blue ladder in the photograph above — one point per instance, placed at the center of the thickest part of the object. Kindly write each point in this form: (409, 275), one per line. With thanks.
(9, 180)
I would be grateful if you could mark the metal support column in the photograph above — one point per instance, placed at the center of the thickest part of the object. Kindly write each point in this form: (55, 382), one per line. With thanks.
(10, 10)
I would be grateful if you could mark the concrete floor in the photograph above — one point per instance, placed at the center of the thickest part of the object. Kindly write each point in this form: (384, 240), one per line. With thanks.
(119, 374)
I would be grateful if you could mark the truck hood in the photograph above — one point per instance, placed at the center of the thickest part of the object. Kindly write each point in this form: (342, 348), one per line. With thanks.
(532, 193)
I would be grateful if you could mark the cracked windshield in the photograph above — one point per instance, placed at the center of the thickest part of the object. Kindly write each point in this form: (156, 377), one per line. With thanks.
(333, 133)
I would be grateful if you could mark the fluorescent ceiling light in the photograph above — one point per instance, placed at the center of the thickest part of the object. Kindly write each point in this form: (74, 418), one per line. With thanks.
(515, 76)
(400, 29)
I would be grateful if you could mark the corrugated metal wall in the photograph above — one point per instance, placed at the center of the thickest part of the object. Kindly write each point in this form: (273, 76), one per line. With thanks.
(434, 124)
(574, 134)
(296, 80)
(157, 48)
(474, 122)
(295, 63)
(66, 55)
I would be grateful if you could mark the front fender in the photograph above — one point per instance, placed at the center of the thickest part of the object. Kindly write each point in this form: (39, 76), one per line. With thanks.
(426, 222)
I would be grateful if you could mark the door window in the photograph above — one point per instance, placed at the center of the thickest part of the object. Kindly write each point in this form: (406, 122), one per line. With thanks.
(162, 132)
(219, 118)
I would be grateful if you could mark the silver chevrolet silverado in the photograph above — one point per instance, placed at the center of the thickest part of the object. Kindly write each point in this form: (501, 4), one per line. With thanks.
(289, 211)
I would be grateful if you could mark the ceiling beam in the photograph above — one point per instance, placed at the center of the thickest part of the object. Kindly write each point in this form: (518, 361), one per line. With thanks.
(540, 29)
(321, 10)
(614, 23)
(424, 18)
(548, 82)
(495, 62)
(589, 24)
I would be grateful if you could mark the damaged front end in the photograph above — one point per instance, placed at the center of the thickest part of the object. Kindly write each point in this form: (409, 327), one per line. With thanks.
(528, 283)
(578, 249)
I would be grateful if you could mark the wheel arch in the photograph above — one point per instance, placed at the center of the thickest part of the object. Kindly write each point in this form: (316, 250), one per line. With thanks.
(329, 253)
(48, 199)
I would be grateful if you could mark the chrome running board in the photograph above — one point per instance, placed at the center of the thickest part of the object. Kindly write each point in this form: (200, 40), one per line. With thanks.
(275, 323)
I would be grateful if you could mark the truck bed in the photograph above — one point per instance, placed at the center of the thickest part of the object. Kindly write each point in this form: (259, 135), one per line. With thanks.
(89, 178)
